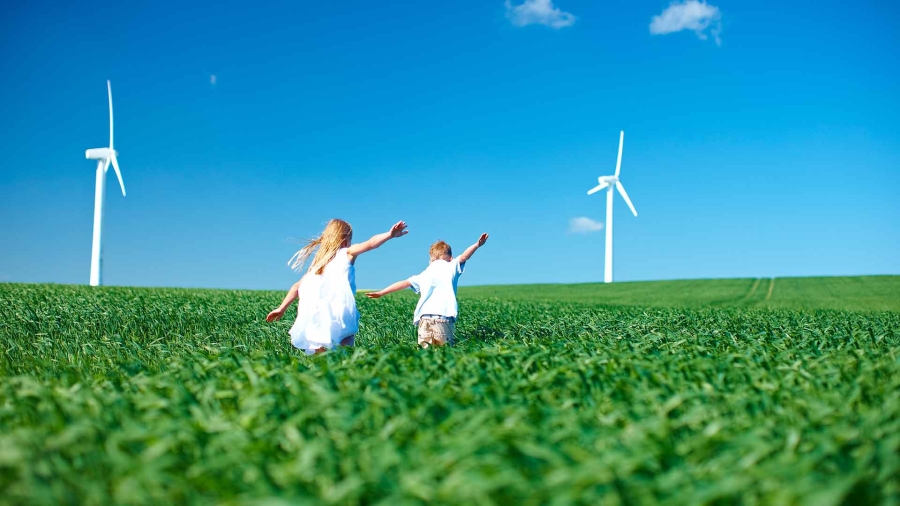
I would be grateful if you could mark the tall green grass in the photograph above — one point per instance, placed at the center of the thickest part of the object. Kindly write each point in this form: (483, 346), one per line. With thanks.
(143, 396)
(859, 293)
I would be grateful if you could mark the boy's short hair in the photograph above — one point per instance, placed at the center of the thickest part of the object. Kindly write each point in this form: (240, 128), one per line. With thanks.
(440, 249)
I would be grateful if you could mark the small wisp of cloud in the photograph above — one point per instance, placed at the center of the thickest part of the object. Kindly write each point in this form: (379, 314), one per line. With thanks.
(538, 12)
(694, 15)
(212, 79)
(584, 225)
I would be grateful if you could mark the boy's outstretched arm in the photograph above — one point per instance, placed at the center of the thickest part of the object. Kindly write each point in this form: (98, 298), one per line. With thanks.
(398, 230)
(396, 287)
(291, 296)
(467, 254)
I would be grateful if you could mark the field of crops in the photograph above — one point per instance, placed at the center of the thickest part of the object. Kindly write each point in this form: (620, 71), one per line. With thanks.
(553, 395)
(858, 293)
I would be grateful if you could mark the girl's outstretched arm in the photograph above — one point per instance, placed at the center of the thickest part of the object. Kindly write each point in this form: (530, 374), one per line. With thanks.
(396, 287)
(398, 230)
(288, 299)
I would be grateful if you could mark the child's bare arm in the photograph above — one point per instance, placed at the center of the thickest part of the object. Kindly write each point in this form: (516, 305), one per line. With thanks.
(396, 287)
(467, 254)
(398, 230)
(291, 296)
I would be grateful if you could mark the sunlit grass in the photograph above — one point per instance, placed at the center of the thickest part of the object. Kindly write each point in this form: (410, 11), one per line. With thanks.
(158, 396)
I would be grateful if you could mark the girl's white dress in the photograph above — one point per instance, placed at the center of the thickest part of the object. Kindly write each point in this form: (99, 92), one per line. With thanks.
(326, 311)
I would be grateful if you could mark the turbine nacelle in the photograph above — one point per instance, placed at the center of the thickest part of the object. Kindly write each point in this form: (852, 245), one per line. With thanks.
(99, 153)
(605, 182)
(607, 179)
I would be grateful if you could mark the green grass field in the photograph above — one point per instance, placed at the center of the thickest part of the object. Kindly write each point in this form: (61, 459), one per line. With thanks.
(682, 392)
(861, 293)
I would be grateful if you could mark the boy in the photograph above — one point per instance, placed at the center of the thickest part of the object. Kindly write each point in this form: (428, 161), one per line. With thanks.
(436, 311)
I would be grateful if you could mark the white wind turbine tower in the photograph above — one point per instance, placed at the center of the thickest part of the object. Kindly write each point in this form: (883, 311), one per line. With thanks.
(611, 182)
(104, 157)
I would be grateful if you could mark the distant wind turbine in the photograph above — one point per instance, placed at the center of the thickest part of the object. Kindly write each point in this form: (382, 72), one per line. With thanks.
(104, 157)
(611, 182)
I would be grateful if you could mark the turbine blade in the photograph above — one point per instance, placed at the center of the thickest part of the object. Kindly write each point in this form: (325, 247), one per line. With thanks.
(115, 165)
(625, 196)
(619, 159)
(597, 188)
(109, 93)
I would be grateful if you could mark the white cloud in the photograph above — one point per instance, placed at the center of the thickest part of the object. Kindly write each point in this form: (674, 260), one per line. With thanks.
(584, 225)
(538, 12)
(212, 79)
(694, 15)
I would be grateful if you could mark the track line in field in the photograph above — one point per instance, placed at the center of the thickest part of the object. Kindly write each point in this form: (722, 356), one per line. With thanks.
(771, 287)
(753, 289)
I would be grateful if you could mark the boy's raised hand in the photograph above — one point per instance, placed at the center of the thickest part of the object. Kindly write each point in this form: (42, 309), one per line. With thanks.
(467, 254)
(399, 229)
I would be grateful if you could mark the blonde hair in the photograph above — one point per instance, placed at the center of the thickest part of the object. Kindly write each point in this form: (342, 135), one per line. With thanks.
(337, 235)
(439, 249)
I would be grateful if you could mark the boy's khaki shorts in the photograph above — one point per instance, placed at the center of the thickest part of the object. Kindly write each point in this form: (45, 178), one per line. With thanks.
(436, 331)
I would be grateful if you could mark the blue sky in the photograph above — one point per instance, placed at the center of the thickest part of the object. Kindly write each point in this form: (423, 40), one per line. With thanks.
(763, 139)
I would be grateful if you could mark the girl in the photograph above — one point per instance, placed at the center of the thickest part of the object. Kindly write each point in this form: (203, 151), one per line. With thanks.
(326, 312)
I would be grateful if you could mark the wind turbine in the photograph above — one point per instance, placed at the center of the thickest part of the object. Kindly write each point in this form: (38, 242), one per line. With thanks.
(611, 182)
(104, 157)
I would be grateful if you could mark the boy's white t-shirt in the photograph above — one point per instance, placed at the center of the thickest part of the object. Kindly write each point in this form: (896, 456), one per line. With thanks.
(436, 286)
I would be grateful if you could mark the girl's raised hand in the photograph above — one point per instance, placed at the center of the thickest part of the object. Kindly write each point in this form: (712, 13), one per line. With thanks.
(399, 229)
